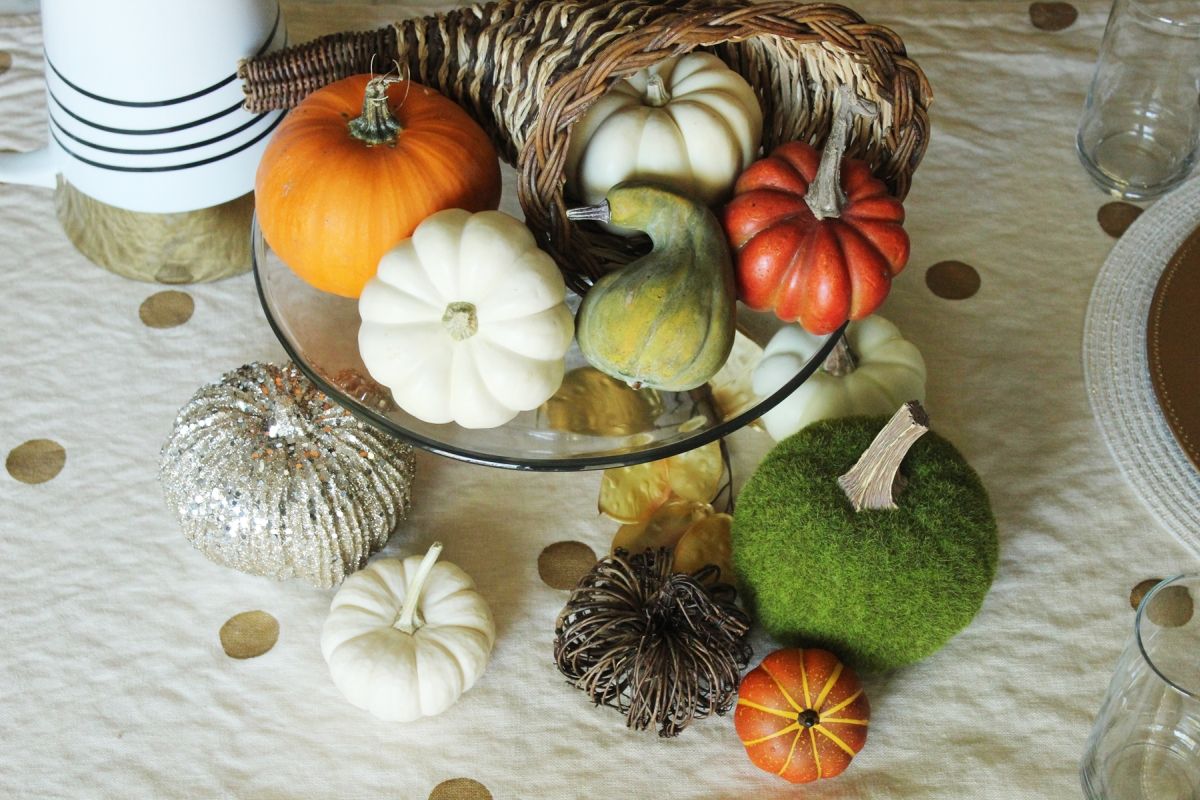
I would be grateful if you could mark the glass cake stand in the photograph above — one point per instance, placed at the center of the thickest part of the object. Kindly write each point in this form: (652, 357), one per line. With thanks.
(592, 422)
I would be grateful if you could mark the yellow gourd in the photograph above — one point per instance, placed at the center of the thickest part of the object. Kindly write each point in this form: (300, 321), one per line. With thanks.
(666, 320)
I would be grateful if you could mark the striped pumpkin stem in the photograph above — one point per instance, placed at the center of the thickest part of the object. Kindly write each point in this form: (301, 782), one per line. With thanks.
(875, 480)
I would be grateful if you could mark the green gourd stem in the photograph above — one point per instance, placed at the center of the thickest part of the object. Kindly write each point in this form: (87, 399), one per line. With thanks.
(874, 480)
(376, 125)
(408, 622)
(840, 362)
(601, 212)
(657, 95)
(825, 196)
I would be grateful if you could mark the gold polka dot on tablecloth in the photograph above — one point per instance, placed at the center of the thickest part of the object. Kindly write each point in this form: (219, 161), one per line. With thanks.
(1139, 591)
(1052, 16)
(562, 564)
(1173, 608)
(5, 61)
(166, 309)
(249, 634)
(952, 280)
(460, 789)
(36, 461)
(1116, 217)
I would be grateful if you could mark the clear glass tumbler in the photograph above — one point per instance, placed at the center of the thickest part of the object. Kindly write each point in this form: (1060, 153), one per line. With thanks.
(1145, 744)
(1141, 122)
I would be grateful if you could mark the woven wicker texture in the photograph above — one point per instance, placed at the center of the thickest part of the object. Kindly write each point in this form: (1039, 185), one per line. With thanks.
(526, 70)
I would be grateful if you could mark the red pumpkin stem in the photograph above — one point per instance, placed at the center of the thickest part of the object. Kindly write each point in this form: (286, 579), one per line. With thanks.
(376, 124)
(825, 196)
(875, 480)
(841, 361)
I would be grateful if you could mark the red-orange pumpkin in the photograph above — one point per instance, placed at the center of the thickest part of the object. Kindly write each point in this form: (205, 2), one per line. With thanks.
(802, 715)
(820, 272)
(357, 166)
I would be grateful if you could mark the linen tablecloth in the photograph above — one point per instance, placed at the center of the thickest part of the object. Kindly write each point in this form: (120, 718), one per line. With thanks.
(113, 682)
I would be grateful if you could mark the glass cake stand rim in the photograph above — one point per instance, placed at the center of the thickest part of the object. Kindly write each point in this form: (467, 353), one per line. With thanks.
(702, 436)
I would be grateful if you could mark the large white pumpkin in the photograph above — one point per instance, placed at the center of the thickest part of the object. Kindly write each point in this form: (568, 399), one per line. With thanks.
(887, 371)
(466, 321)
(405, 638)
(689, 122)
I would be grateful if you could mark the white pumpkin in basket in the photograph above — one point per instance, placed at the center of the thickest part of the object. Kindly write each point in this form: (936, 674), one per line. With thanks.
(406, 637)
(880, 371)
(466, 321)
(689, 122)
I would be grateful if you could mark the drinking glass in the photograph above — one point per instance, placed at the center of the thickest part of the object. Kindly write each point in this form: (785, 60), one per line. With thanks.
(1141, 122)
(1145, 744)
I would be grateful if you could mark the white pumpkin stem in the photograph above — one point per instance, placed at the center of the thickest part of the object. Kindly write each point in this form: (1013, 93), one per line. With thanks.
(461, 321)
(376, 124)
(875, 480)
(840, 362)
(657, 95)
(825, 196)
(408, 622)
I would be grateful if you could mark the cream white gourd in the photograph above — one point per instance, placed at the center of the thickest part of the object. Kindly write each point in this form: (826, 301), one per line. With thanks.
(406, 637)
(689, 122)
(465, 321)
(884, 371)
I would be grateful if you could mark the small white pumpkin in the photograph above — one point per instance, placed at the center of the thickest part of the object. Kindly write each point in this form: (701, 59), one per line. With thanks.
(405, 638)
(689, 122)
(881, 371)
(466, 321)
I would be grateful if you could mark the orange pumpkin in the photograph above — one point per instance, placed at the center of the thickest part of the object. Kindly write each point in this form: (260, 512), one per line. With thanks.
(357, 166)
(802, 715)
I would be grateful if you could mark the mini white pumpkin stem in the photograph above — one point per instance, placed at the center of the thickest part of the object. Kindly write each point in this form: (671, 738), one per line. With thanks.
(841, 361)
(825, 196)
(461, 320)
(408, 622)
(874, 480)
(657, 95)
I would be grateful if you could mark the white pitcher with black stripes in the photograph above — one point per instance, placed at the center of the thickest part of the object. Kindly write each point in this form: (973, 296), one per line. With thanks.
(145, 110)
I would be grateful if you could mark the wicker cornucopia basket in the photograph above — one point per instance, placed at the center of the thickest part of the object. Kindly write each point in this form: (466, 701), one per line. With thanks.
(527, 69)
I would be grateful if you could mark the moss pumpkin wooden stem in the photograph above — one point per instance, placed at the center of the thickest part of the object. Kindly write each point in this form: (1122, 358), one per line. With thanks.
(873, 482)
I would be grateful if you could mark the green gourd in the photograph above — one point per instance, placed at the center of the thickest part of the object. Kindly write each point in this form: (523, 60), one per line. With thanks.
(666, 320)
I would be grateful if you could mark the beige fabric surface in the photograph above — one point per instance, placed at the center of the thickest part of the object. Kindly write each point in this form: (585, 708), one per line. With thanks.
(113, 682)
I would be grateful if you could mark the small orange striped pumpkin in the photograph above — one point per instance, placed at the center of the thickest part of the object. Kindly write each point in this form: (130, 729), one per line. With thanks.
(802, 715)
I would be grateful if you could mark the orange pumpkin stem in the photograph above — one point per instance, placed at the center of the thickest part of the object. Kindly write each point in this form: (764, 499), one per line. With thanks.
(377, 124)
(874, 480)
(825, 196)
(840, 362)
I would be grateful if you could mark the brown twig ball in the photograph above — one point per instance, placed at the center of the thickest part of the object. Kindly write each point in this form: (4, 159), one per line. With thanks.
(658, 646)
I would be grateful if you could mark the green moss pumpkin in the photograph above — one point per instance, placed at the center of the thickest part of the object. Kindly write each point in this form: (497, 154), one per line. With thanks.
(666, 319)
(883, 588)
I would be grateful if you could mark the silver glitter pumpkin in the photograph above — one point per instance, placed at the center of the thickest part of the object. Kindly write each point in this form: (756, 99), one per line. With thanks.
(269, 476)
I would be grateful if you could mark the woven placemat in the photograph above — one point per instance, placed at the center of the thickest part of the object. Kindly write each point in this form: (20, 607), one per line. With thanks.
(1117, 371)
(1173, 345)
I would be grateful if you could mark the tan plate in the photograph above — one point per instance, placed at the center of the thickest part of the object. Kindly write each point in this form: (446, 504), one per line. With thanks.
(1173, 345)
